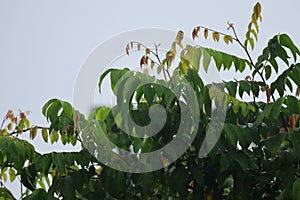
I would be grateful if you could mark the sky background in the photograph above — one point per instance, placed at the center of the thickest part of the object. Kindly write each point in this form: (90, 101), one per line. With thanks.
(43, 44)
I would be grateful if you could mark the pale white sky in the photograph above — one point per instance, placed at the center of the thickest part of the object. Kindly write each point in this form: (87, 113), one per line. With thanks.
(44, 43)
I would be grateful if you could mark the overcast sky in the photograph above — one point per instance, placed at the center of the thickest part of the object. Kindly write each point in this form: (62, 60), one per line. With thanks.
(43, 44)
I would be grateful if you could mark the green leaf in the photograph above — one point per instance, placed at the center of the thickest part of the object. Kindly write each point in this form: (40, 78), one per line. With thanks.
(295, 137)
(72, 140)
(103, 75)
(231, 86)
(51, 109)
(274, 142)
(28, 176)
(59, 161)
(242, 159)
(293, 104)
(113, 181)
(45, 135)
(217, 58)
(5, 194)
(296, 189)
(254, 34)
(206, 59)
(197, 53)
(54, 136)
(246, 43)
(279, 83)
(276, 50)
(67, 109)
(286, 41)
(43, 163)
(46, 106)
(64, 138)
(225, 162)
(39, 194)
(276, 108)
(102, 112)
(12, 174)
(115, 76)
(251, 41)
(146, 180)
(180, 177)
(227, 61)
(230, 134)
(148, 93)
(244, 86)
(41, 183)
(268, 71)
(295, 74)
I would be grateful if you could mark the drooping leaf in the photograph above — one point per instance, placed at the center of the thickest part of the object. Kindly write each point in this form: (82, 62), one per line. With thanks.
(54, 136)
(216, 36)
(286, 41)
(115, 75)
(205, 33)
(45, 135)
(33, 132)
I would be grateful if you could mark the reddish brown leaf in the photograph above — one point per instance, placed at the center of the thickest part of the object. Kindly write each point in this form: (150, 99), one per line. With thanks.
(66, 128)
(127, 49)
(143, 61)
(195, 33)
(206, 33)
(22, 116)
(147, 51)
(9, 115)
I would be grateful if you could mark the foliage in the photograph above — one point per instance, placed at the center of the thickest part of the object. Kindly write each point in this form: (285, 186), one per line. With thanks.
(256, 157)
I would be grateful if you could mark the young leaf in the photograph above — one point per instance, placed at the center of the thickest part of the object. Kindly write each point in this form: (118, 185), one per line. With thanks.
(147, 51)
(54, 136)
(45, 135)
(159, 69)
(179, 38)
(257, 10)
(139, 46)
(33, 132)
(251, 41)
(27, 123)
(216, 36)
(12, 174)
(206, 33)
(227, 39)
(195, 32)
(64, 138)
(254, 34)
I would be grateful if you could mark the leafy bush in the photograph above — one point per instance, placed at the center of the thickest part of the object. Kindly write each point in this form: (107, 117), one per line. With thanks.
(256, 156)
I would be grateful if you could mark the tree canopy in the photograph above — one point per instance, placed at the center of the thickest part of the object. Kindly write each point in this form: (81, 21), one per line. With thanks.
(210, 143)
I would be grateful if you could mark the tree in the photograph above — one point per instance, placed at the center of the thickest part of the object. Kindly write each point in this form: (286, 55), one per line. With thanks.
(256, 155)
